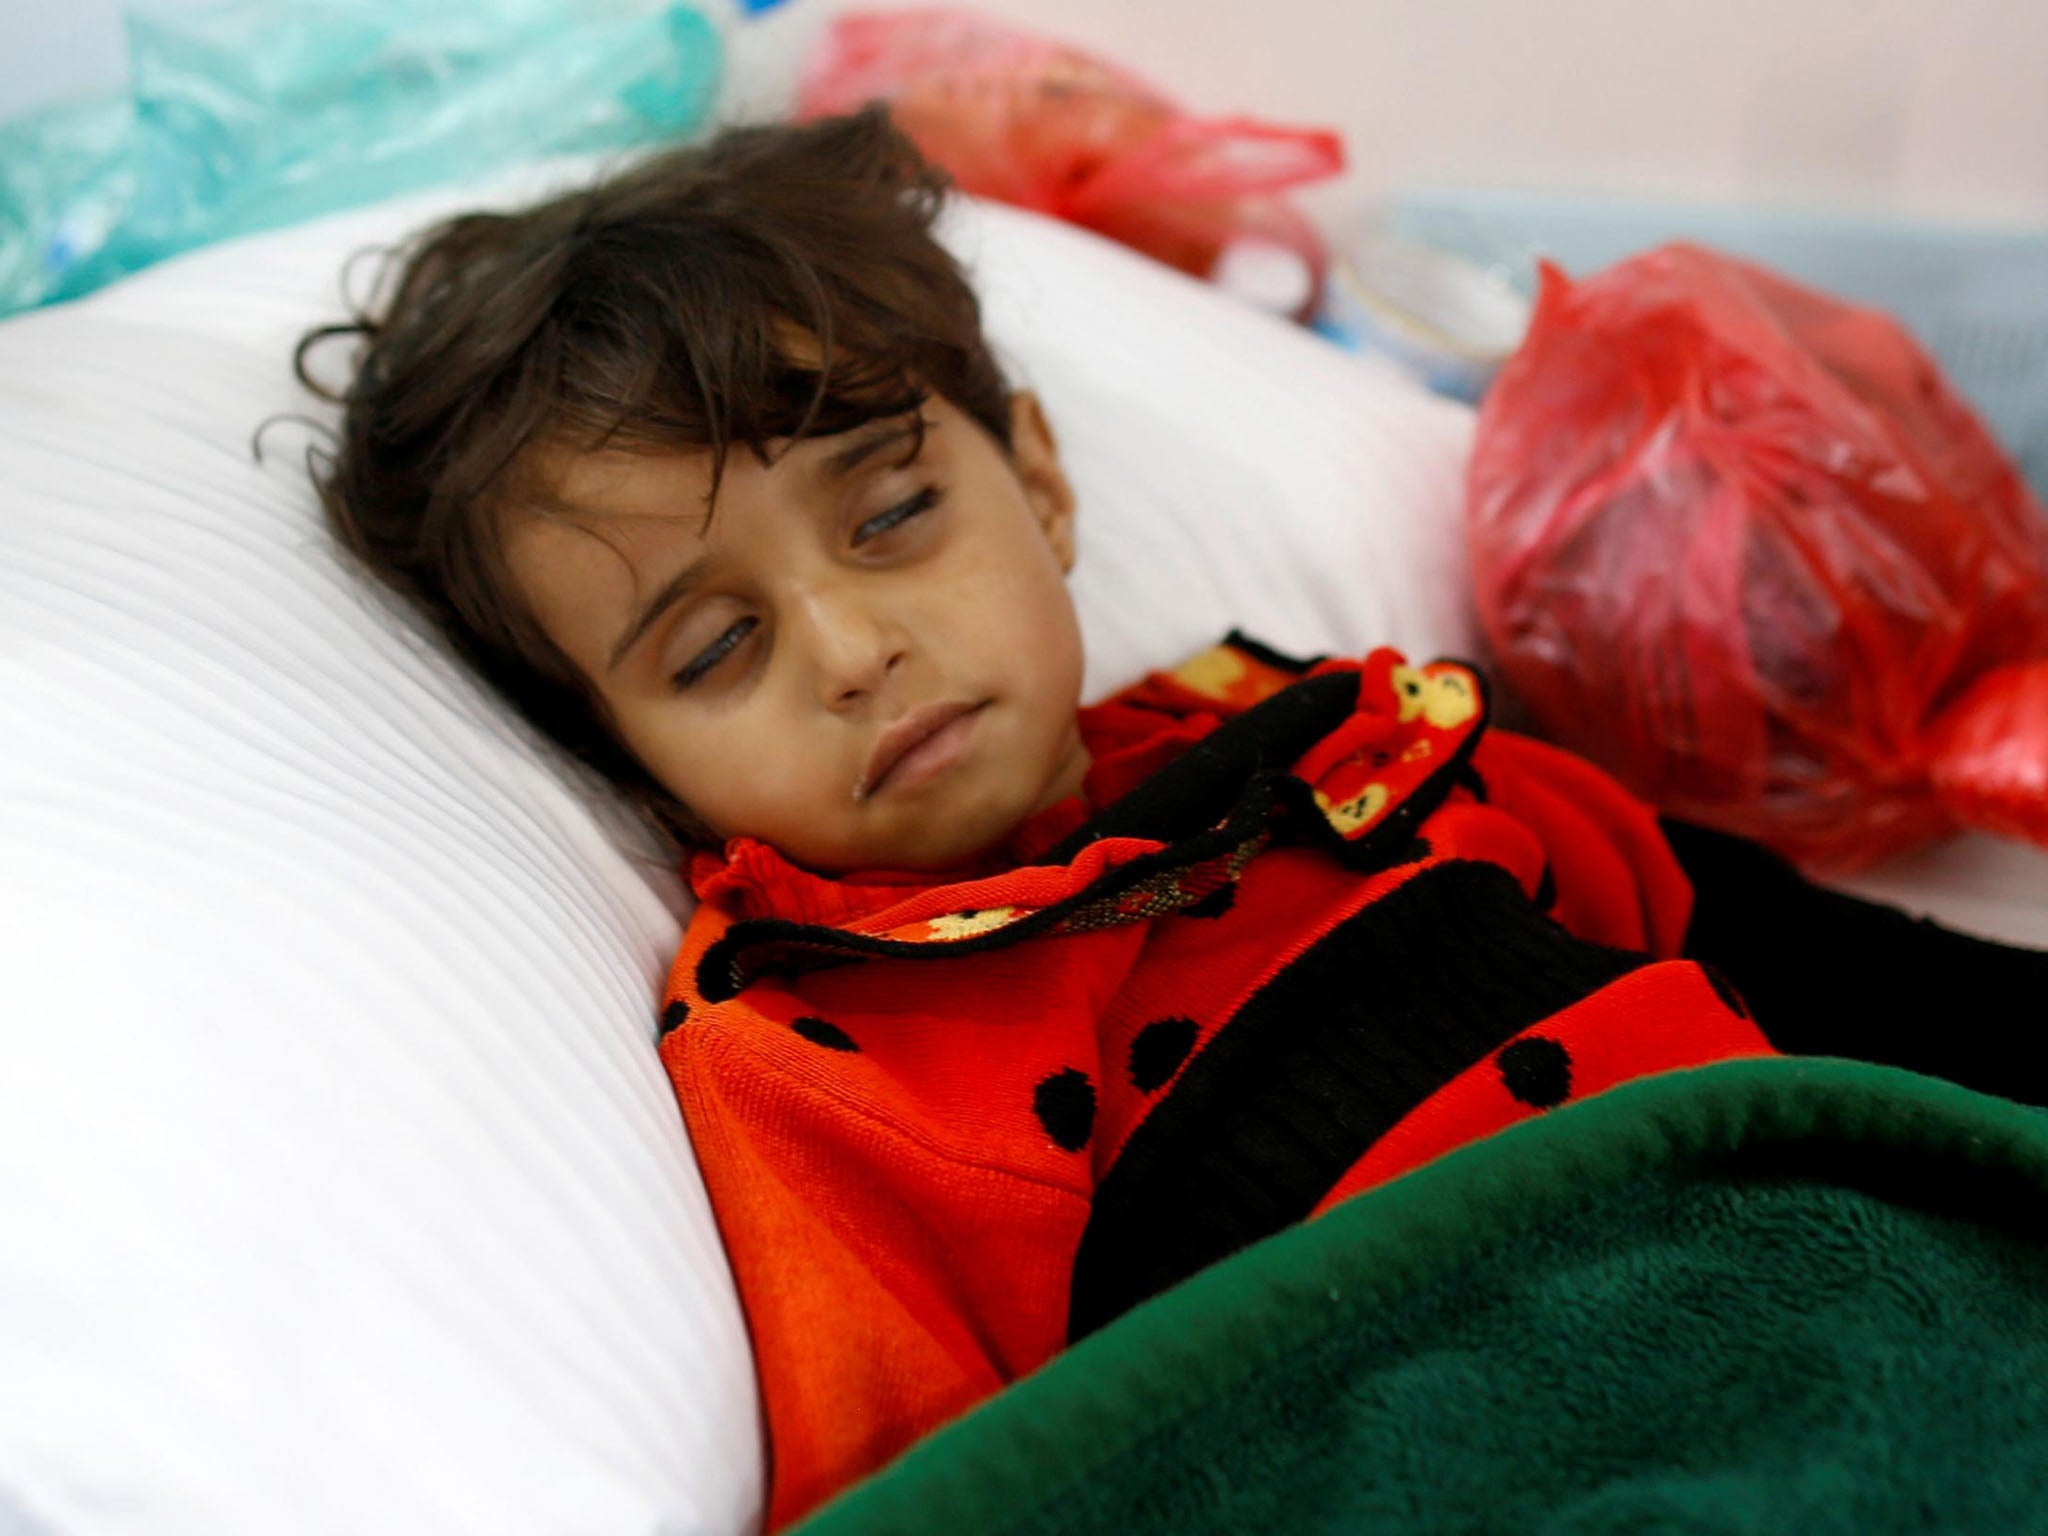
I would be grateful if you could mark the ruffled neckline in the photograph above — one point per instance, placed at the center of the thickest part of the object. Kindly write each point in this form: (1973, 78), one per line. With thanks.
(1126, 744)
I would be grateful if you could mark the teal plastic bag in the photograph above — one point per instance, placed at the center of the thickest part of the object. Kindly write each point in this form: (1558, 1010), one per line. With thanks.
(254, 114)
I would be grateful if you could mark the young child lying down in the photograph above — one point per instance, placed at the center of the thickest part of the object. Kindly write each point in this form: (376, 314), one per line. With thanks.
(1000, 1014)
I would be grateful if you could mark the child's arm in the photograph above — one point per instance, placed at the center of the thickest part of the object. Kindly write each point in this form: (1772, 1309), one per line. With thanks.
(1829, 974)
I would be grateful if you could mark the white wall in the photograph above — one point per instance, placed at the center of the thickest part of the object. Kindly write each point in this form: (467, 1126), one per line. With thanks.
(1901, 105)
(1906, 105)
(52, 51)
(1893, 105)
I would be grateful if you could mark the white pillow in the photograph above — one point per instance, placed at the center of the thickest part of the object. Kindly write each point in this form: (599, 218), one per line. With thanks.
(341, 1190)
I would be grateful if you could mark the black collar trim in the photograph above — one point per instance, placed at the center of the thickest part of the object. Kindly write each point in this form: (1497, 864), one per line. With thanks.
(1216, 806)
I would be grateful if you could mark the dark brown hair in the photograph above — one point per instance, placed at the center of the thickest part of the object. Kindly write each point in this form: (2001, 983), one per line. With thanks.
(651, 310)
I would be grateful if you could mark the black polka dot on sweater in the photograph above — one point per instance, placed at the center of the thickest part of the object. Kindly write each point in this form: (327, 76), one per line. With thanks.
(824, 1032)
(1725, 990)
(1413, 851)
(1065, 1103)
(1215, 904)
(1536, 1070)
(1158, 1050)
(674, 1015)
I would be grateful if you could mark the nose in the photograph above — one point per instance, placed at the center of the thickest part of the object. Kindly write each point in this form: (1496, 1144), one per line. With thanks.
(854, 645)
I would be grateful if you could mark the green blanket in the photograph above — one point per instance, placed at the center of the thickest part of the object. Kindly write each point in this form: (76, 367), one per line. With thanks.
(1779, 1295)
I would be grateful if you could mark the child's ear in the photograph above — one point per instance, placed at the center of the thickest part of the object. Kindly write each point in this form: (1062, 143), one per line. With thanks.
(1035, 457)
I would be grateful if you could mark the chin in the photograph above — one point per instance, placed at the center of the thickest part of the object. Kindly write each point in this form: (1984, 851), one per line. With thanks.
(966, 846)
(953, 856)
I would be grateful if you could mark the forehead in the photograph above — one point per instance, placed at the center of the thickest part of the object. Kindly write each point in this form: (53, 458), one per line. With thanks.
(560, 485)
(583, 531)
(564, 482)
(591, 532)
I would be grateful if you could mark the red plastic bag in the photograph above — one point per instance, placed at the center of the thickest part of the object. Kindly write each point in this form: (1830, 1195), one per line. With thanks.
(1741, 544)
(1029, 121)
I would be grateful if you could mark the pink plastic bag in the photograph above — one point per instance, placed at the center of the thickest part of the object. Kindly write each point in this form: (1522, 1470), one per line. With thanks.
(1742, 545)
(1032, 122)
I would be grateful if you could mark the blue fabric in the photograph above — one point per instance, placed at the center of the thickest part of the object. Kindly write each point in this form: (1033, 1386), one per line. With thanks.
(254, 114)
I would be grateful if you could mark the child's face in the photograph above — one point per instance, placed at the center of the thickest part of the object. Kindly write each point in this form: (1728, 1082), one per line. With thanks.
(832, 601)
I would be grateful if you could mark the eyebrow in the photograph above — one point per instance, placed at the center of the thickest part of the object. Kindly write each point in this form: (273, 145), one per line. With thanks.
(872, 440)
(842, 462)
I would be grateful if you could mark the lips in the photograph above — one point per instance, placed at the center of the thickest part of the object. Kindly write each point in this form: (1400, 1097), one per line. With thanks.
(904, 737)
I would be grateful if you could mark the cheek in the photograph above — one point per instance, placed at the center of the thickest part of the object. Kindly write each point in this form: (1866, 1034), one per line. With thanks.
(733, 773)
(1022, 571)
(1069, 668)
(1051, 624)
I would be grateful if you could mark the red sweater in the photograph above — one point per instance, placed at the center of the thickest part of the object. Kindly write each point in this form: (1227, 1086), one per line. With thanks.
(1307, 927)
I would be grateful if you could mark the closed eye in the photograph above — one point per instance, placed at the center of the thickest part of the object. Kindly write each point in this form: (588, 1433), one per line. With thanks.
(714, 653)
(903, 512)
